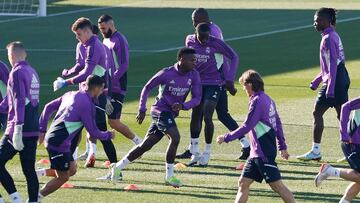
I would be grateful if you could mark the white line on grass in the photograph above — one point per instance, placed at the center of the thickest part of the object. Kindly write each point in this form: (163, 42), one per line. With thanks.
(72, 12)
(227, 40)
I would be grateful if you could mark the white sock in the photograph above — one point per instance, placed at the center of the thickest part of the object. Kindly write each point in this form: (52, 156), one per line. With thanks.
(316, 148)
(75, 154)
(122, 164)
(332, 171)
(244, 142)
(40, 197)
(41, 172)
(15, 198)
(87, 146)
(343, 200)
(169, 170)
(2, 200)
(136, 140)
(189, 147)
(92, 149)
(207, 148)
(194, 148)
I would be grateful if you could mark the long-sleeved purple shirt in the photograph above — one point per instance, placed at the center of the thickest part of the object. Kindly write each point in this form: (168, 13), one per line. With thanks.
(79, 61)
(174, 87)
(350, 130)
(262, 118)
(75, 109)
(119, 48)
(207, 63)
(95, 61)
(331, 55)
(4, 77)
(22, 101)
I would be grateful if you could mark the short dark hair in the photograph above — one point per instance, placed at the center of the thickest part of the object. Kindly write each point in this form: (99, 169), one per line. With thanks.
(202, 27)
(16, 46)
(95, 29)
(254, 79)
(328, 13)
(104, 18)
(184, 51)
(81, 23)
(93, 81)
(201, 11)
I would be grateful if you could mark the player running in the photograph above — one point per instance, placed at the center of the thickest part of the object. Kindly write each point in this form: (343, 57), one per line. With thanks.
(119, 53)
(333, 75)
(207, 47)
(75, 109)
(95, 63)
(264, 127)
(22, 131)
(175, 83)
(200, 15)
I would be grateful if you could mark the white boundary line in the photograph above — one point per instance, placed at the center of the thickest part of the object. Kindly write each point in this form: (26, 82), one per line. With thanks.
(176, 48)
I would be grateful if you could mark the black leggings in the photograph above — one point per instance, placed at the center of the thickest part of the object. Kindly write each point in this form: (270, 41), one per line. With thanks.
(27, 159)
(108, 145)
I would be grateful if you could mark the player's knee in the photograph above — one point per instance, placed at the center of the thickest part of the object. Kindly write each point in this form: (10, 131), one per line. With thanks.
(72, 171)
(63, 178)
(175, 140)
(277, 187)
(243, 184)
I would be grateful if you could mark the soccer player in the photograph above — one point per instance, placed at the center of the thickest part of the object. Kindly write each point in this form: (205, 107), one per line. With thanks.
(333, 75)
(200, 15)
(75, 109)
(175, 83)
(95, 63)
(350, 144)
(213, 84)
(119, 49)
(4, 76)
(22, 131)
(264, 127)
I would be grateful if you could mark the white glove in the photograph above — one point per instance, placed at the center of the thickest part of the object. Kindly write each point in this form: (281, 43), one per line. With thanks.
(109, 107)
(17, 138)
(59, 83)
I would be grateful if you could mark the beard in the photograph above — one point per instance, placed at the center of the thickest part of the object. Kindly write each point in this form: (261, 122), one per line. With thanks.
(108, 33)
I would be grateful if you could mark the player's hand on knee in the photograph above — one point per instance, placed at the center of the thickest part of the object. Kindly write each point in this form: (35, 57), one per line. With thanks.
(177, 107)
(17, 138)
(284, 154)
(109, 109)
(140, 117)
(220, 139)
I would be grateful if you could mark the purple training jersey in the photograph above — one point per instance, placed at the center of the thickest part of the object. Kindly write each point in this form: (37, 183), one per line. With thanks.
(75, 109)
(79, 61)
(209, 60)
(350, 130)
(174, 87)
(261, 119)
(119, 57)
(4, 77)
(331, 55)
(22, 100)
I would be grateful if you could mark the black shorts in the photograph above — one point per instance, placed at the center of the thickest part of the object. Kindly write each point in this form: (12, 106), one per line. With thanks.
(211, 92)
(117, 101)
(352, 155)
(60, 161)
(161, 123)
(100, 116)
(342, 85)
(7, 150)
(257, 169)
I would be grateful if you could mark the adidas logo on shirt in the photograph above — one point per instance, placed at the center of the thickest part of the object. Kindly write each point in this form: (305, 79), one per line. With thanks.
(172, 82)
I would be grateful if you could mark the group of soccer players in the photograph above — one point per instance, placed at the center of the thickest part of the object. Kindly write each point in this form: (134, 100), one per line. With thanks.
(206, 68)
